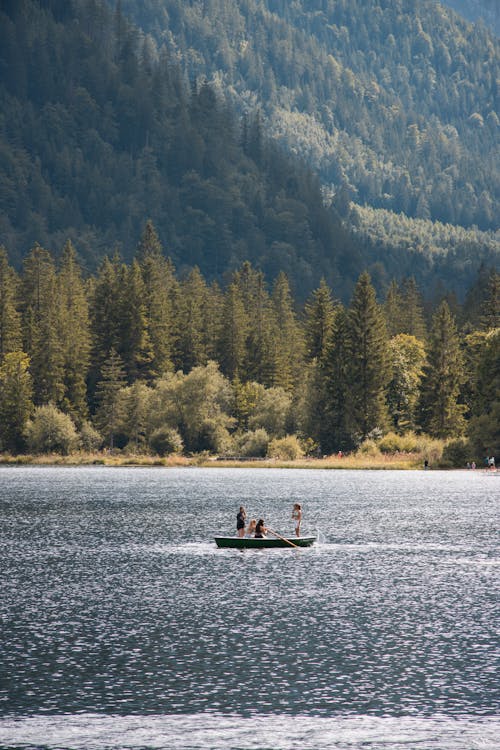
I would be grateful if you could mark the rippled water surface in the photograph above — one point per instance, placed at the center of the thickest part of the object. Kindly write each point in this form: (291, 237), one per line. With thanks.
(123, 626)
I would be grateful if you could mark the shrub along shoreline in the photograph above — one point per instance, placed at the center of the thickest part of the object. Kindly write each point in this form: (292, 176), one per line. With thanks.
(438, 454)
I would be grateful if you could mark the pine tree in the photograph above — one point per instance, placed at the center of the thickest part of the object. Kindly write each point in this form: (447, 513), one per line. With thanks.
(74, 334)
(233, 334)
(259, 364)
(393, 310)
(133, 408)
(213, 319)
(134, 343)
(192, 319)
(369, 360)
(10, 320)
(159, 280)
(490, 317)
(319, 319)
(440, 413)
(288, 345)
(108, 415)
(412, 317)
(16, 400)
(484, 426)
(41, 326)
(105, 317)
(336, 424)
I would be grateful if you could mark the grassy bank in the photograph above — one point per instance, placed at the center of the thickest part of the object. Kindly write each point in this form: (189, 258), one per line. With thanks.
(353, 461)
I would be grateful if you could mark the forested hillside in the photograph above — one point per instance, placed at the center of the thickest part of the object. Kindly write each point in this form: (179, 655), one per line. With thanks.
(100, 130)
(474, 10)
(394, 100)
(97, 135)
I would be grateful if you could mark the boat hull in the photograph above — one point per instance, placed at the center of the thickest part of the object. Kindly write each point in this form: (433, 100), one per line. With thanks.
(236, 542)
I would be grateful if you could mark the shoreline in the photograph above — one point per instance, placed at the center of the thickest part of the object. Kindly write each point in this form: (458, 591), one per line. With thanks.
(384, 462)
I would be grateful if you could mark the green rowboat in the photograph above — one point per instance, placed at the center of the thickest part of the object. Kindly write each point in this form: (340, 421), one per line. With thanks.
(237, 542)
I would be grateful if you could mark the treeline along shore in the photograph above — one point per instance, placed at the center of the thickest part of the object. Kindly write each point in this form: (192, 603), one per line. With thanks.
(136, 361)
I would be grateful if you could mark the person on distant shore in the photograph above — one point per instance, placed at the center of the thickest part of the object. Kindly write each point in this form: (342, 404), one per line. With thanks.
(240, 521)
(297, 517)
(251, 527)
(260, 529)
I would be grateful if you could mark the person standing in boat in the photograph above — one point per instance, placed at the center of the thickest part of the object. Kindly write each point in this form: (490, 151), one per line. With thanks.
(297, 517)
(260, 529)
(240, 521)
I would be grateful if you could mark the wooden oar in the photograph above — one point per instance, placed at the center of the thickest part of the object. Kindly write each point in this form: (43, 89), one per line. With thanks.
(283, 539)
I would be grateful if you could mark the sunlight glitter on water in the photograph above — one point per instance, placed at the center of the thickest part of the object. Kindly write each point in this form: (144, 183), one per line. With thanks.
(212, 731)
(123, 625)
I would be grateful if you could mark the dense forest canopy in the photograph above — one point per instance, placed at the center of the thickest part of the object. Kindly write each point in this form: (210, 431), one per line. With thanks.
(97, 136)
(135, 357)
(100, 129)
(396, 101)
(476, 10)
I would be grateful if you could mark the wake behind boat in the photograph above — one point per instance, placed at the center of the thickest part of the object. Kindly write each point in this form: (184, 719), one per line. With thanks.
(236, 542)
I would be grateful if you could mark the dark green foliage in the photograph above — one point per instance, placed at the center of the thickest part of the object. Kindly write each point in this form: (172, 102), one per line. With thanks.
(104, 136)
(457, 453)
(98, 131)
(10, 320)
(369, 360)
(491, 307)
(393, 102)
(334, 399)
(74, 334)
(319, 318)
(158, 278)
(41, 323)
(335, 417)
(484, 426)
(108, 414)
(165, 440)
(16, 400)
(440, 413)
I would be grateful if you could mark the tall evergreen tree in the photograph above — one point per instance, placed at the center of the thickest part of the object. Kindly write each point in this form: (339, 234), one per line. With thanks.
(134, 344)
(369, 362)
(319, 319)
(159, 279)
(74, 334)
(393, 310)
(108, 415)
(16, 400)
(440, 413)
(484, 426)
(105, 316)
(41, 321)
(192, 322)
(233, 334)
(490, 317)
(412, 317)
(10, 321)
(288, 348)
(337, 431)
(259, 364)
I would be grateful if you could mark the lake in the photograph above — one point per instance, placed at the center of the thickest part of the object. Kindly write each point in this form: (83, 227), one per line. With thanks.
(123, 626)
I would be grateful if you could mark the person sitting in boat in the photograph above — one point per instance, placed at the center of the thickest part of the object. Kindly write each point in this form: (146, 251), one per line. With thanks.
(260, 529)
(251, 527)
(240, 521)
